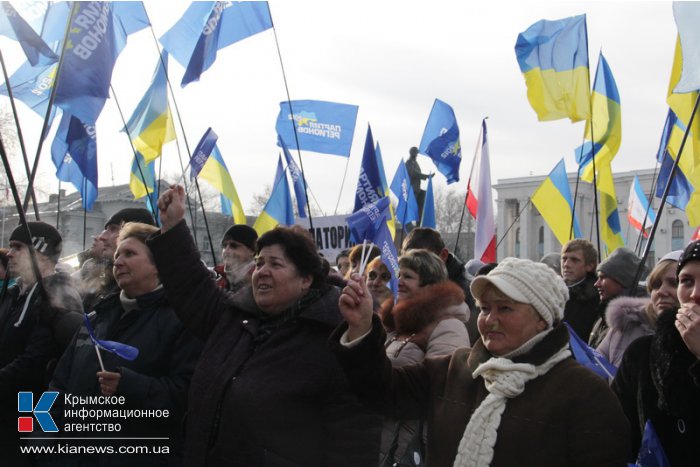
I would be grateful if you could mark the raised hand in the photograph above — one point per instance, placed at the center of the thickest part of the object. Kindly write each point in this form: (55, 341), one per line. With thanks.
(356, 307)
(171, 205)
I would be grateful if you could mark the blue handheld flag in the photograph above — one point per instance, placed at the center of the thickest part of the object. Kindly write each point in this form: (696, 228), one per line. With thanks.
(124, 351)
(589, 357)
(202, 152)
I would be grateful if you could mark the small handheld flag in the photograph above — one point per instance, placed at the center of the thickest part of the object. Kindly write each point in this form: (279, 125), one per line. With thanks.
(202, 152)
(124, 351)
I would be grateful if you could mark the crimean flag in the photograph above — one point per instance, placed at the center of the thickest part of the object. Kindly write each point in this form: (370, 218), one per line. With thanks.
(606, 125)
(638, 210)
(278, 209)
(480, 201)
(553, 200)
(553, 57)
(610, 230)
(207, 27)
(440, 140)
(151, 124)
(216, 173)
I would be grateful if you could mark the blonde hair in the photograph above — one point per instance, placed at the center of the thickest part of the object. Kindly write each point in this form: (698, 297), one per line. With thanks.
(140, 232)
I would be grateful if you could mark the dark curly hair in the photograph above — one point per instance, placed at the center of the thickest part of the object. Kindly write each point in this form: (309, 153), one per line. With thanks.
(299, 247)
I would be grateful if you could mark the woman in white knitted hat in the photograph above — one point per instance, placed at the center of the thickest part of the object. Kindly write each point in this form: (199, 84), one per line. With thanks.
(516, 398)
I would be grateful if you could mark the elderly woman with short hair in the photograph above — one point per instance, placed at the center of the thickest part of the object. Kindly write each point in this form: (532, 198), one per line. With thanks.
(516, 398)
(267, 390)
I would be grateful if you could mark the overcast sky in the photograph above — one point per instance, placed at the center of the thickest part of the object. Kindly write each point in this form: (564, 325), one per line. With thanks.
(392, 59)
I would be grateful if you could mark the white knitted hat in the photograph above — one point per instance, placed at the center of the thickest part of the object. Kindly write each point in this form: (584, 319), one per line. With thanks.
(528, 282)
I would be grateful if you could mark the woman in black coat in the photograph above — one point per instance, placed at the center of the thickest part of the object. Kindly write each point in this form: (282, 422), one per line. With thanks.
(267, 390)
(659, 377)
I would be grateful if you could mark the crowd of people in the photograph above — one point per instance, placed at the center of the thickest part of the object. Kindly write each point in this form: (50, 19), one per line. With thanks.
(272, 358)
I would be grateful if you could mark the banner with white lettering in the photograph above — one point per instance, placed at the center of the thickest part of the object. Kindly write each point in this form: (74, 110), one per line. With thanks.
(331, 233)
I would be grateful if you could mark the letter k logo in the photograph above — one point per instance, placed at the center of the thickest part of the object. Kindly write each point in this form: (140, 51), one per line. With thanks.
(25, 403)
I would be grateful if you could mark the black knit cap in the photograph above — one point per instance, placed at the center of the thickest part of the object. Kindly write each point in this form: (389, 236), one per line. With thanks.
(131, 215)
(242, 234)
(45, 238)
(691, 253)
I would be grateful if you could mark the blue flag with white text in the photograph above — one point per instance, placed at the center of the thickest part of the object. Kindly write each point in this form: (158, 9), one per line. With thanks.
(207, 27)
(202, 152)
(297, 178)
(369, 183)
(74, 153)
(325, 127)
(440, 141)
(407, 207)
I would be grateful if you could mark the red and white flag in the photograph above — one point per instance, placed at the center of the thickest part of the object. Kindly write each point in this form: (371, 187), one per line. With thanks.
(480, 201)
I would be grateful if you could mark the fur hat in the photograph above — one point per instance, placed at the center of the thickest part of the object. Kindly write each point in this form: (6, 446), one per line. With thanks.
(621, 266)
(691, 253)
(528, 282)
(45, 238)
(131, 215)
(243, 234)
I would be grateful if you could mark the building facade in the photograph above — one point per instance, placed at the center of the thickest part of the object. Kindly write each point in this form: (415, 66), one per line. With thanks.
(523, 233)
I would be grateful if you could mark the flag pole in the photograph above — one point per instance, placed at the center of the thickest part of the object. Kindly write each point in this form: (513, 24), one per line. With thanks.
(469, 181)
(578, 177)
(58, 204)
(30, 189)
(84, 213)
(294, 125)
(49, 108)
(342, 184)
(136, 158)
(179, 117)
(513, 223)
(667, 188)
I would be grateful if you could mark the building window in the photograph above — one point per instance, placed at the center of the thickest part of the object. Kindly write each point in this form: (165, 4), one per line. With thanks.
(517, 242)
(677, 235)
(540, 242)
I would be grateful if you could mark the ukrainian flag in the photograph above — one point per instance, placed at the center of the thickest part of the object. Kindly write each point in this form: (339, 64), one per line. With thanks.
(553, 200)
(610, 230)
(553, 56)
(151, 124)
(606, 123)
(278, 209)
(215, 172)
(143, 177)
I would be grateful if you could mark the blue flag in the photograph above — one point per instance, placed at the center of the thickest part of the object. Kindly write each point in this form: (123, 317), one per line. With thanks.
(202, 152)
(15, 27)
(428, 217)
(407, 208)
(207, 27)
(440, 141)
(124, 351)
(325, 127)
(74, 153)
(369, 183)
(32, 85)
(370, 223)
(681, 189)
(297, 178)
(651, 452)
(589, 357)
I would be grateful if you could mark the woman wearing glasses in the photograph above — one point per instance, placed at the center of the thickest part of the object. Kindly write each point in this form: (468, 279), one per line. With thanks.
(427, 320)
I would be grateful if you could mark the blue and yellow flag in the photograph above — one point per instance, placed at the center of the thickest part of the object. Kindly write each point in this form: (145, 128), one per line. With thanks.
(610, 230)
(681, 189)
(606, 125)
(151, 124)
(207, 27)
(553, 56)
(428, 217)
(553, 200)
(440, 140)
(278, 209)
(216, 173)
(143, 177)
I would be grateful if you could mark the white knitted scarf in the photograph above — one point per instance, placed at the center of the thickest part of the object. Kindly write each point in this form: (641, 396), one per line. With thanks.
(504, 380)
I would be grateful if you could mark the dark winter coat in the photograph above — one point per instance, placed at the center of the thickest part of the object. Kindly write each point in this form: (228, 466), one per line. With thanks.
(157, 379)
(274, 399)
(581, 310)
(552, 423)
(627, 320)
(659, 380)
(456, 273)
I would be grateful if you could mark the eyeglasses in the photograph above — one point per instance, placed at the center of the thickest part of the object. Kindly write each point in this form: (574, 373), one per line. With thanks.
(373, 275)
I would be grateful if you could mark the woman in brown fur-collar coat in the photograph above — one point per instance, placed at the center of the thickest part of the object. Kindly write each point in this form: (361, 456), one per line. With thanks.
(427, 320)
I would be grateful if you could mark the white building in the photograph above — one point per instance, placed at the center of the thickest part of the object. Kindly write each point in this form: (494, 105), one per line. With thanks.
(528, 236)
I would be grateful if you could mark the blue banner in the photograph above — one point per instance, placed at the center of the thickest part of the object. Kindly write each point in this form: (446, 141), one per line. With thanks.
(202, 152)
(297, 178)
(407, 208)
(325, 127)
(369, 184)
(440, 141)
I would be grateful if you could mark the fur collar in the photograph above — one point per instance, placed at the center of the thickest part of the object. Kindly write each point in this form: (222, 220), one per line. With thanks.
(623, 311)
(670, 360)
(429, 304)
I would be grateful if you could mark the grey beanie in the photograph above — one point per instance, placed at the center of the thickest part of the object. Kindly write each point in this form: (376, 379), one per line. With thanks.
(621, 266)
(525, 281)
